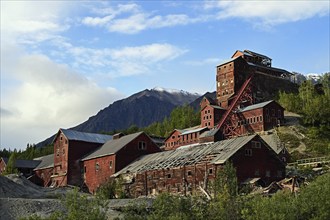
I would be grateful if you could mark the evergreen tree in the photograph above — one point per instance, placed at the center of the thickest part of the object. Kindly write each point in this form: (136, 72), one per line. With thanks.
(11, 168)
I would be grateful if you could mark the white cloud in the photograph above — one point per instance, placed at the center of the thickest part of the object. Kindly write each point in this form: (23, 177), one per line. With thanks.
(118, 62)
(131, 19)
(49, 96)
(27, 21)
(269, 13)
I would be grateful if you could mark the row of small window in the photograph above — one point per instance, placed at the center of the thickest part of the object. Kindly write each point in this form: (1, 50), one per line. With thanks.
(207, 117)
(225, 82)
(224, 67)
(268, 173)
(252, 120)
(207, 124)
(207, 111)
(97, 166)
(226, 92)
(189, 173)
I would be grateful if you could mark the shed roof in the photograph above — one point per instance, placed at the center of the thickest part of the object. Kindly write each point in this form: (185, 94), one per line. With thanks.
(86, 137)
(217, 107)
(217, 152)
(46, 162)
(255, 106)
(31, 164)
(193, 130)
(112, 146)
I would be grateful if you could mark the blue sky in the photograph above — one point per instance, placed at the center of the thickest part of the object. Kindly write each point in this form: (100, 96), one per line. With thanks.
(63, 61)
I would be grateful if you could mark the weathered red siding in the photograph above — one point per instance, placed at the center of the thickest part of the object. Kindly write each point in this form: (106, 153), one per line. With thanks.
(67, 154)
(97, 171)
(44, 176)
(96, 177)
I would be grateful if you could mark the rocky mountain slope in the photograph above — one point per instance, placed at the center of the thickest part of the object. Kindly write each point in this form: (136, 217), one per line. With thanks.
(140, 109)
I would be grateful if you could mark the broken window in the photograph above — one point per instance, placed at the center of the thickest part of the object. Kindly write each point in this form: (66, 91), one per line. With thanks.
(142, 145)
(256, 144)
(248, 152)
(97, 166)
(210, 171)
(189, 173)
(110, 164)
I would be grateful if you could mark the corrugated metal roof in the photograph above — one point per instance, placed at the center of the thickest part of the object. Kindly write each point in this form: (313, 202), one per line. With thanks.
(255, 106)
(86, 137)
(23, 163)
(112, 146)
(46, 162)
(256, 54)
(217, 152)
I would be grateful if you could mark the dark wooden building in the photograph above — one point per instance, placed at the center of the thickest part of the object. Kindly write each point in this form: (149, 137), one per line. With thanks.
(25, 167)
(188, 169)
(113, 156)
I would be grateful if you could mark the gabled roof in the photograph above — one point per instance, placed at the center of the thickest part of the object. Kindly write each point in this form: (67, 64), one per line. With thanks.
(170, 135)
(83, 136)
(220, 151)
(46, 162)
(23, 163)
(255, 106)
(211, 101)
(112, 146)
(230, 60)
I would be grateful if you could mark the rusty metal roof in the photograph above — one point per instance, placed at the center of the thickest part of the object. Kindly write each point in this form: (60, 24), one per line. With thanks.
(217, 153)
(255, 106)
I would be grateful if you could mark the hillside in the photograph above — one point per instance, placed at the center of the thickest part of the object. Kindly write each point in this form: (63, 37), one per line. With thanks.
(140, 109)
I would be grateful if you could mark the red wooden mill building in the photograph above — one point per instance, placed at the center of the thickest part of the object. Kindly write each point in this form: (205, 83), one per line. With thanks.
(232, 128)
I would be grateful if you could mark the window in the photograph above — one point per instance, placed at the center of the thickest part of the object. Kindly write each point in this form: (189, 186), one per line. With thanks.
(58, 152)
(173, 137)
(254, 119)
(260, 118)
(248, 152)
(256, 144)
(169, 176)
(110, 164)
(142, 145)
(97, 166)
(63, 151)
(210, 171)
(208, 111)
(279, 113)
(66, 141)
(189, 173)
